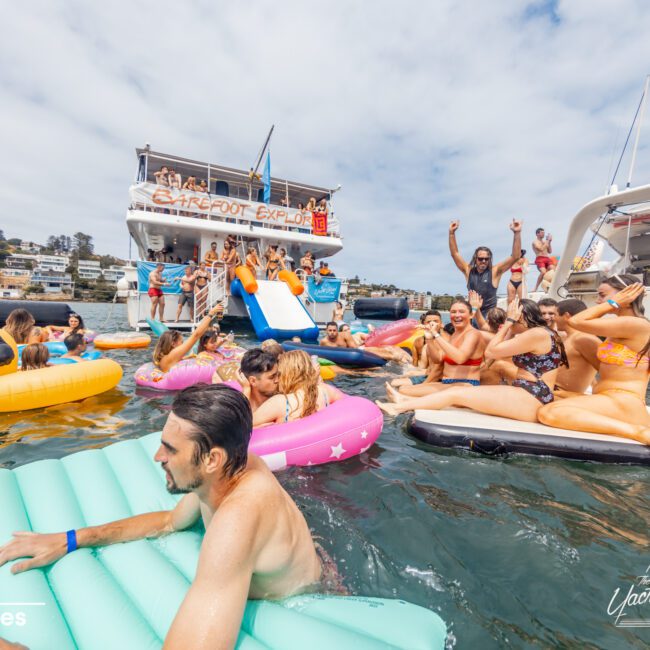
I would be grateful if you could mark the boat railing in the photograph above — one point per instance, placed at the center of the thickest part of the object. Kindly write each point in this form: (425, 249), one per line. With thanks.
(148, 197)
(213, 292)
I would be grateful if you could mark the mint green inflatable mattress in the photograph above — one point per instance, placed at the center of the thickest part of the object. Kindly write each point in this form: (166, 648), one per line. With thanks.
(126, 595)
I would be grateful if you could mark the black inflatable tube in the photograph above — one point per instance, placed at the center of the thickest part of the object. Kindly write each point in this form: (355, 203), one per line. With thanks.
(381, 308)
(352, 357)
(44, 313)
(496, 443)
(6, 354)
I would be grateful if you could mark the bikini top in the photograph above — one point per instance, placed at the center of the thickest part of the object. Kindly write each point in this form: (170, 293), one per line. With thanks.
(286, 412)
(618, 354)
(538, 364)
(516, 269)
(470, 362)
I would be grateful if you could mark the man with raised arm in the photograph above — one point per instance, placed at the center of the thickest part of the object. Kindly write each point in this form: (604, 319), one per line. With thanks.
(543, 249)
(481, 274)
(257, 543)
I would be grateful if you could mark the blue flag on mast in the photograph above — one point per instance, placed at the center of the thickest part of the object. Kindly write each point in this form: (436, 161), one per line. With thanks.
(266, 179)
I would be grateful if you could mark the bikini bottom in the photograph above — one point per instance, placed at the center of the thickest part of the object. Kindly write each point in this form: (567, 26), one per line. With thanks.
(471, 382)
(538, 389)
(516, 284)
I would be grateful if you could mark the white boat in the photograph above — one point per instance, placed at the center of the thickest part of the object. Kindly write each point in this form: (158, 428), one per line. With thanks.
(179, 225)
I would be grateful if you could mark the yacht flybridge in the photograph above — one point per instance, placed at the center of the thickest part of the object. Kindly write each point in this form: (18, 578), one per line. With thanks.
(178, 207)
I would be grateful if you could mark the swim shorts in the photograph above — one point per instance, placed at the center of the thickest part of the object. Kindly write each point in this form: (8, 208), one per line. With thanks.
(418, 380)
(471, 382)
(186, 297)
(154, 292)
(543, 262)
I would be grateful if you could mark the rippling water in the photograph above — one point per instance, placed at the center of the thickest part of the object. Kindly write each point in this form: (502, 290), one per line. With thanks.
(521, 552)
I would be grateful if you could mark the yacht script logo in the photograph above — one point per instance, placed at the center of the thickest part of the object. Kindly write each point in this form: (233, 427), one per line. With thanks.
(636, 596)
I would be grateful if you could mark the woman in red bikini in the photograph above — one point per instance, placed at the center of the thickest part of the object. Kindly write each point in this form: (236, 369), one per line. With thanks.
(617, 406)
(516, 282)
(461, 353)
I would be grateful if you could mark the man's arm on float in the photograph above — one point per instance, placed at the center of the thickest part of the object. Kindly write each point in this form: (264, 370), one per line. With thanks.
(462, 265)
(43, 550)
(210, 616)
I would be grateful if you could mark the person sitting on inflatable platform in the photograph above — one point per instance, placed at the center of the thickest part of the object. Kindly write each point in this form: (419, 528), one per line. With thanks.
(257, 543)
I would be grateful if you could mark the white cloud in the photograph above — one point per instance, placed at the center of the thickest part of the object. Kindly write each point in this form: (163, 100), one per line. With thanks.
(422, 111)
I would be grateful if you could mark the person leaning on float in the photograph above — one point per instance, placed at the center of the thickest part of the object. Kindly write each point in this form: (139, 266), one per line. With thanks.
(171, 347)
(480, 274)
(535, 349)
(617, 406)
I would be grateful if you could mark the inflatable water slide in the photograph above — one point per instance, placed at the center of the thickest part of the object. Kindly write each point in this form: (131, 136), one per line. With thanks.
(275, 310)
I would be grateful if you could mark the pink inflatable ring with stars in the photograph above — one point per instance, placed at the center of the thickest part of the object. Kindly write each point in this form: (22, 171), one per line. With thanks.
(346, 428)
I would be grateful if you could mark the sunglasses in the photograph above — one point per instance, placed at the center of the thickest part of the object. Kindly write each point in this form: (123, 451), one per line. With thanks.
(482, 259)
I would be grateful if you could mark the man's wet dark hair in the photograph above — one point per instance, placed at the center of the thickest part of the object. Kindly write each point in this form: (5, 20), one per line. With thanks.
(539, 230)
(430, 312)
(547, 302)
(73, 341)
(572, 306)
(257, 361)
(331, 324)
(220, 417)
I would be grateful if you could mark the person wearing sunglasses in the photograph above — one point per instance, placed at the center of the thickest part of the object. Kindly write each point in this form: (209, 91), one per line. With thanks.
(481, 274)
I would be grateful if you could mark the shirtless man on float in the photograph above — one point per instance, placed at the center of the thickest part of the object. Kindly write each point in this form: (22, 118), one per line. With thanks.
(581, 351)
(156, 283)
(480, 273)
(334, 338)
(257, 543)
(543, 250)
(187, 292)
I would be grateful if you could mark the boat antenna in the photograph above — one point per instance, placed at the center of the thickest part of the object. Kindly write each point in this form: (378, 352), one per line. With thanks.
(640, 111)
(260, 155)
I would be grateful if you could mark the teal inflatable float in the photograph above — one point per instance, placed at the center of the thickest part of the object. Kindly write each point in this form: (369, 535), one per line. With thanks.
(157, 327)
(125, 596)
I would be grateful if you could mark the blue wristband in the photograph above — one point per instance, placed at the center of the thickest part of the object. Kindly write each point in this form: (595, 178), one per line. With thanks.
(72, 540)
(614, 304)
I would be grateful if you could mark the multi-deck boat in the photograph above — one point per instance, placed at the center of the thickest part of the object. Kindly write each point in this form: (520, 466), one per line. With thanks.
(172, 223)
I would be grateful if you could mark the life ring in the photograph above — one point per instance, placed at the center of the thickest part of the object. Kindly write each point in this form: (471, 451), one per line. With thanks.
(33, 389)
(89, 335)
(117, 340)
(56, 350)
(392, 333)
(186, 372)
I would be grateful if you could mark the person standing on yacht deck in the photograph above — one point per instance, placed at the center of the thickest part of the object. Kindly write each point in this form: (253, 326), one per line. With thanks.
(480, 274)
(543, 250)
(156, 283)
(187, 292)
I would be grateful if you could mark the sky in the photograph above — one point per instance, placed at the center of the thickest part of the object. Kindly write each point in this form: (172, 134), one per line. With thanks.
(423, 112)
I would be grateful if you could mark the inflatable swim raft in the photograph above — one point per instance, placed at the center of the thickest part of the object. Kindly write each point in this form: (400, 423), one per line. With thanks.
(353, 357)
(126, 595)
(462, 428)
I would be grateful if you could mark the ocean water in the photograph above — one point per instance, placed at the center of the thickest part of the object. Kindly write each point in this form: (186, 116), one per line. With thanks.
(520, 552)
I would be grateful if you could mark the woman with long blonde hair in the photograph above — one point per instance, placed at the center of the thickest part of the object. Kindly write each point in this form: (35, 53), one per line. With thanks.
(34, 357)
(19, 324)
(301, 393)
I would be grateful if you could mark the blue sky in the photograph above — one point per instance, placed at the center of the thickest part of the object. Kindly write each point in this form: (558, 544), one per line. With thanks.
(424, 112)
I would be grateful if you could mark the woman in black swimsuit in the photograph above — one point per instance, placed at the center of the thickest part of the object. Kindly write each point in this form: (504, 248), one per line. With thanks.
(536, 350)
(202, 277)
(516, 282)
(274, 264)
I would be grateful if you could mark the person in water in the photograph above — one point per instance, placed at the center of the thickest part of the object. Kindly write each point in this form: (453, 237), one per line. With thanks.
(209, 345)
(259, 376)
(301, 393)
(517, 277)
(535, 349)
(171, 347)
(34, 357)
(257, 544)
(75, 344)
(461, 354)
(19, 325)
(581, 351)
(335, 339)
(75, 326)
(481, 274)
(617, 406)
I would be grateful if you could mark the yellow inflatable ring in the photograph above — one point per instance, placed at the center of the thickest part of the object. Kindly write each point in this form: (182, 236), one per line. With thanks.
(34, 389)
(327, 373)
(12, 366)
(409, 343)
(131, 340)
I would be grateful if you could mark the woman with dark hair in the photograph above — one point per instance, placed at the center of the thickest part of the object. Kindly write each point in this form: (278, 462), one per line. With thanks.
(461, 354)
(517, 277)
(209, 345)
(617, 406)
(75, 326)
(19, 325)
(171, 347)
(536, 350)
